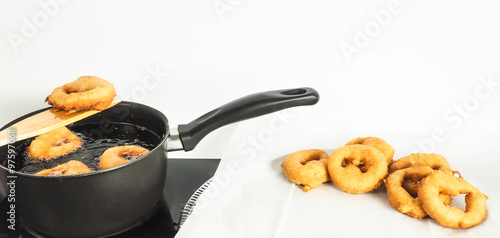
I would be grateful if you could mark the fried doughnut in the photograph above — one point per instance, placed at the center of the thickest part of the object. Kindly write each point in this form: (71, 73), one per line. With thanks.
(434, 161)
(403, 201)
(411, 185)
(357, 168)
(85, 93)
(70, 168)
(306, 167)
(376, 143)
(52, 144)
(448, 216)
(118, 155)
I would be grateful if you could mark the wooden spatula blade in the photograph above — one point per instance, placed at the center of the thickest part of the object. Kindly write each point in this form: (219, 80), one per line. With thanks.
(46, 121)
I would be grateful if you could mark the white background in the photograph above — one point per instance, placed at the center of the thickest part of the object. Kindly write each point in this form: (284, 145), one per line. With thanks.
(427, 58)
(412, 69)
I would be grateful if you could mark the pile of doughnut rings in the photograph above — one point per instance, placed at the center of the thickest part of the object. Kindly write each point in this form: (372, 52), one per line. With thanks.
(358, 167)
(418, 185)
(85, 93)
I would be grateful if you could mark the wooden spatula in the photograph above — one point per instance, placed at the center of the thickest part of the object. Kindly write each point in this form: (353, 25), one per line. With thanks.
(45, 121)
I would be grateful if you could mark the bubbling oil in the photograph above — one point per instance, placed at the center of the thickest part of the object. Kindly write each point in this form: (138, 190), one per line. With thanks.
(95, 140)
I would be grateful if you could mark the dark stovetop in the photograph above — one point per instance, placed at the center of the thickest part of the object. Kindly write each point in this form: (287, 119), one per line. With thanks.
(184, 177)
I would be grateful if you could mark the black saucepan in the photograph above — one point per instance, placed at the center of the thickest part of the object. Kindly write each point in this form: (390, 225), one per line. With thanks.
(107, 202)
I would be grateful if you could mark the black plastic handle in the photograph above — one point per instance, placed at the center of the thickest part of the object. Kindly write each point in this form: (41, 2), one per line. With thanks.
(251, 106)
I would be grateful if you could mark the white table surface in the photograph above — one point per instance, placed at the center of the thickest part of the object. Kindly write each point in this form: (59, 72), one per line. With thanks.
(425, 71)
(249, 195)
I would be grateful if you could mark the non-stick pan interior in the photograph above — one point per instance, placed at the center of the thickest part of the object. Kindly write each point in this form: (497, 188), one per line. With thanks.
(132, 113)
(104, 124)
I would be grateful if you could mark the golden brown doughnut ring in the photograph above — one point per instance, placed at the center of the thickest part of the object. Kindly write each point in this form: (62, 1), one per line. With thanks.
(306, 167)
(85, 93)
(434, 161)
(72, 167)
(357, 168)
(401, 199)
(411, 185)
(448, 216)
(118, 155)
(52, 144)
(376, 143)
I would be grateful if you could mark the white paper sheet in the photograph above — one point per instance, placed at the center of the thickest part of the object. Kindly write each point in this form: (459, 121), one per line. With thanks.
(250, 197)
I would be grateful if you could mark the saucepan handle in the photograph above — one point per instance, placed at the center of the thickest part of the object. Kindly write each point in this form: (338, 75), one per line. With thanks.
(251, 106)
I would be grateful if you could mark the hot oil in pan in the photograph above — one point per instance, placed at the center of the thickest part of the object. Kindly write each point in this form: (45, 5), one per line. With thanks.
(95, 140)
